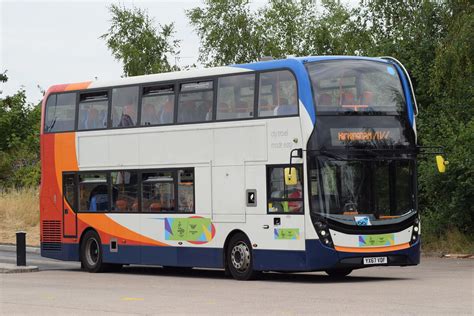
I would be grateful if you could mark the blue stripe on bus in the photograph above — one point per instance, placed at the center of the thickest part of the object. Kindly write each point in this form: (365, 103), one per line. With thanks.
(304, 85)
(317, 257)
(407, 91)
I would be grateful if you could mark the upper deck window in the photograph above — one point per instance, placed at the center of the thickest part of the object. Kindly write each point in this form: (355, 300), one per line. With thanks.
(235, 97)
(157, 105)
(124, 106)
(346, 86)
(60, 113)
(93, 109)
(277, 94)
(195, 102)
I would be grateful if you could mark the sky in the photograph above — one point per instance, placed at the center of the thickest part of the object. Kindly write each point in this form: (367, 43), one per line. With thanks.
(52, 42)
(43, 43)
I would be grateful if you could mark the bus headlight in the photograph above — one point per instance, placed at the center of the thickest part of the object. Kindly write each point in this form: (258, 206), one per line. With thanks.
(415, 231)
(323, 233)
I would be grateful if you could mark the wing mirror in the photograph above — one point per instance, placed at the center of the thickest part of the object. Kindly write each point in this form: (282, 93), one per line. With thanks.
(441, 163)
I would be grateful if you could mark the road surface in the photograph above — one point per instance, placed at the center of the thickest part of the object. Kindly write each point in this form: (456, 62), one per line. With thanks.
(437, 286)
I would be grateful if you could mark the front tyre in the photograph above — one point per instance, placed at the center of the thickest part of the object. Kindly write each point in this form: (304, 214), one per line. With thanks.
(91, 253)
(338, 273)
(240, 259)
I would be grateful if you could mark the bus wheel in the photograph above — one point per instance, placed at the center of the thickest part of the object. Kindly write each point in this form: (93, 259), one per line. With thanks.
(239, 258)
(338, 273)
(91, 252)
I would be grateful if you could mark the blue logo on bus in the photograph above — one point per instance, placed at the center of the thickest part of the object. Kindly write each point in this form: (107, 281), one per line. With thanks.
(362, 220)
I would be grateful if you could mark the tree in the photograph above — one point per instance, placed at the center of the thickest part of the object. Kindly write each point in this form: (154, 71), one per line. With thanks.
(227, 30)
(19, 144)
(450, 121)
(231, 32)
(137, 43)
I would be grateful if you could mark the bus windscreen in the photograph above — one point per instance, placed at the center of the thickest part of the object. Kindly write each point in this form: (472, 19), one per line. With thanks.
(349, 86)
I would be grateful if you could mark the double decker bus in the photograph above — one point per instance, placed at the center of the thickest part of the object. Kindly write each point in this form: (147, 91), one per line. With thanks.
(300, 164)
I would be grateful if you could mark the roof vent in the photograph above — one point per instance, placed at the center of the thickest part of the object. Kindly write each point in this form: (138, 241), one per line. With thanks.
(266, 58)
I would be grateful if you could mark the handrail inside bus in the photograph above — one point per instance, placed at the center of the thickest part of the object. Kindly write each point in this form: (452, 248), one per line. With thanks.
(408, 76)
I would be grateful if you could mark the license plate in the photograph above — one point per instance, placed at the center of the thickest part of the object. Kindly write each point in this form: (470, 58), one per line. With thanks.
(375, 260)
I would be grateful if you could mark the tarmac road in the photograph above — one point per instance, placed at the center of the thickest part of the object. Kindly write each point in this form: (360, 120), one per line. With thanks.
(437, 286)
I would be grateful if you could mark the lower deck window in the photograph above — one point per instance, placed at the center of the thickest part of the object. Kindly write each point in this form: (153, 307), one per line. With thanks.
(93, 192)
(158, 193)
(124, 191)
(127, 191)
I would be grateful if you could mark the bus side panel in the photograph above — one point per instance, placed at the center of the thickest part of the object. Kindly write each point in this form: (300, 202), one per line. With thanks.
(50, 203)
(58, 155)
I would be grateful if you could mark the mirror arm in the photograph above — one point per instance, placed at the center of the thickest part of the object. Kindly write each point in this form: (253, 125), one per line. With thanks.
(299, 154)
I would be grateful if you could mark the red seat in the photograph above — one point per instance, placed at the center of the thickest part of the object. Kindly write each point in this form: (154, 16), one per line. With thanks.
(325, 99)
(121, 205)
(367, 97)
(347, 98)
(155, 207)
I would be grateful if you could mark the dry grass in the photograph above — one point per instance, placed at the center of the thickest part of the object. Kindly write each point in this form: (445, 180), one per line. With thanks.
(19, 210)
(453, 241)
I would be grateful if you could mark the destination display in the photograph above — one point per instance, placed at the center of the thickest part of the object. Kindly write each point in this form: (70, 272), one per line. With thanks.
(365, 136)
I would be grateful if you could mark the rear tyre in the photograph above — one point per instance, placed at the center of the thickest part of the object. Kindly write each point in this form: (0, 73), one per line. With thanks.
(91, 253)
(338, 273)
(240, 259)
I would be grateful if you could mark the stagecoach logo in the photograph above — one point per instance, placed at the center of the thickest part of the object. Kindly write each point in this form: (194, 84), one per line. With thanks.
(351, 136)
(362, 220)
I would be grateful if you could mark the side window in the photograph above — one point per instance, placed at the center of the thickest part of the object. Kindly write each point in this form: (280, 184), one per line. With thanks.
(168, 191)
(282, 197)
(60, 113)
(277, 94)
(124, 191)
(195, 102)
(93, 109)
(157, 105)
(186, 190)
(124, 106)
(69, 189)
(93, 192)
(235, 97)
(158, 191)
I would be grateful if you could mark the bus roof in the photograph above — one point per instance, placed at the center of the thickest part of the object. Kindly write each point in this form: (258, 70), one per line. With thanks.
(289, 62)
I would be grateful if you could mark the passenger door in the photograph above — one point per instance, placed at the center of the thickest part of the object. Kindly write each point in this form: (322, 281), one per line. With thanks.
(69, 205)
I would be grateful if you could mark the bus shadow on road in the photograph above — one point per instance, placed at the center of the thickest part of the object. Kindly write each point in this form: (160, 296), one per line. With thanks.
(300, 277)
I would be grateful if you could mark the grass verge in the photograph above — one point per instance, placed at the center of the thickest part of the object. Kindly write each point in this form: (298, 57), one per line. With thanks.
(19, 210)
(452, 241)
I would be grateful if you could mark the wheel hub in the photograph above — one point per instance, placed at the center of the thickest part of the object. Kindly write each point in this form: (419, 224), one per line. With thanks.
(240, 257)
(92, 252)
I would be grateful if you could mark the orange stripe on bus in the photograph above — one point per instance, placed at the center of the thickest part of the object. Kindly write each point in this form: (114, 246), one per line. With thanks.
(105, 224)
(373, 249)
(78, 86)
(64, 155)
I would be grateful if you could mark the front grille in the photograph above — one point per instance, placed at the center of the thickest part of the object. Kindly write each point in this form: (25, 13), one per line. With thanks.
(51, 236)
